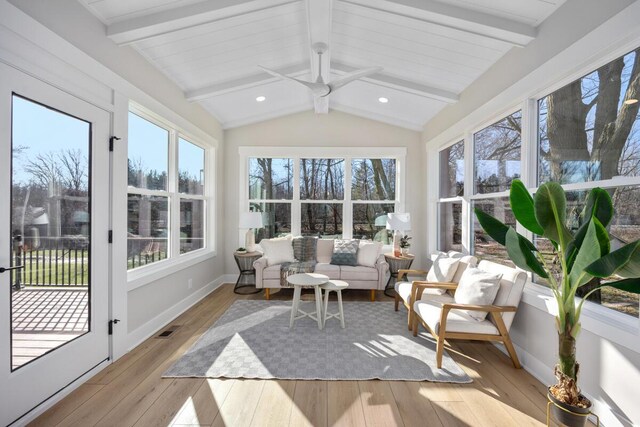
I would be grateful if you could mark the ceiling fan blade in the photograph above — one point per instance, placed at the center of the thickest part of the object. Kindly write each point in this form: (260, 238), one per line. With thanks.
(318, 89)
(321, 104)
(348, 78)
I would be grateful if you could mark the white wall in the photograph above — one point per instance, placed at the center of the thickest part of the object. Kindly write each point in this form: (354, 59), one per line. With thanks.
(583, 35)
(145, 308)
(335, 129)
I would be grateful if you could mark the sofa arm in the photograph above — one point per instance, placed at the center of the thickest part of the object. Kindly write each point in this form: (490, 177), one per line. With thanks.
(383, 267)
(260, 264)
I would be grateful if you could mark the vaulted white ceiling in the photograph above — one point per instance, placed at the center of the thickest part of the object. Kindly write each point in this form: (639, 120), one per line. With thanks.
(430, 50)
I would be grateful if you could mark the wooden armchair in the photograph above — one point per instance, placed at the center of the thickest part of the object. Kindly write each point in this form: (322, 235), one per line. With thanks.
(443, 318)
(406, 293)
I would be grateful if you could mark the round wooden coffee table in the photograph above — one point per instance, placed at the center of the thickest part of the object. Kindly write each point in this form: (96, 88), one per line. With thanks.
(306, 280)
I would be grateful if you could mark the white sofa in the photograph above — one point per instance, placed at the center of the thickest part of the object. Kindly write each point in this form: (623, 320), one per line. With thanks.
(358, 277)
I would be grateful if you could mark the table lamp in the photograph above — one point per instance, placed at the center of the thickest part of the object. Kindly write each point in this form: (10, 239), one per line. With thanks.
(250, 220)
(398, 222)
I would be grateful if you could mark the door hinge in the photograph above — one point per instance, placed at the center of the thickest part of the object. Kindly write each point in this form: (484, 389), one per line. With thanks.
(110, 237)
(111, 140)
(111, 323)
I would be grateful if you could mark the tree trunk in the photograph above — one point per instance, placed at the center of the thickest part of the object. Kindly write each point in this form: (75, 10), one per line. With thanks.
(383, 186)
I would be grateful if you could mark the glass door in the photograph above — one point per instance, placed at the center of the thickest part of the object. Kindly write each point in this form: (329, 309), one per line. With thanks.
(53, 240)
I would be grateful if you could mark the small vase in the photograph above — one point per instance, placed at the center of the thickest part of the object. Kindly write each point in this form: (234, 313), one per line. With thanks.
(404, 251)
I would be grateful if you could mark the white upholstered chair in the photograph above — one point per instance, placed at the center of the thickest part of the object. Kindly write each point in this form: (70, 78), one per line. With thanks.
(442, 317)
(404, 288)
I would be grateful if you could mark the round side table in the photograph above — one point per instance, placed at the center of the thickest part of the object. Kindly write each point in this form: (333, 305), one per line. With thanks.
(247, 278)
(396, 263)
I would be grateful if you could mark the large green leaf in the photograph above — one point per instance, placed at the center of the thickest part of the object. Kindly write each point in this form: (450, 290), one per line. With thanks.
(594, 245)
(496, 229)
(522, 207)
(598, 205)
(521, 254)
(625, 262)
(550, 208)
(629, 285)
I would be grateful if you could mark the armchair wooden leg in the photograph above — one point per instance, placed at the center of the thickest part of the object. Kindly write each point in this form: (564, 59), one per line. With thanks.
(410, 319)
(414, 323)
(506, 339)
(372, 295)
(439, 351)
(267, 293)
(396, 302)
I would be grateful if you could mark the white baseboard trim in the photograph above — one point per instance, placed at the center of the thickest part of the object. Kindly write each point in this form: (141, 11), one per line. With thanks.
(137, 336)
(544, 374)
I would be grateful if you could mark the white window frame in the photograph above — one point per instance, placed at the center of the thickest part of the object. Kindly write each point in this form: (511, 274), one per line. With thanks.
(145, 274)
(297, 153)
(455, 199)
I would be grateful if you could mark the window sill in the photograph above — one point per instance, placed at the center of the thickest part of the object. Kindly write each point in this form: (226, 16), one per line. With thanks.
(606, 323)
(143, 276)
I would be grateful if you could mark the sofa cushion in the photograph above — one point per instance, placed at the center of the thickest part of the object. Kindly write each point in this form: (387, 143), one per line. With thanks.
(278, 250)
(330, 270)
(368, 253)
(305, 248)
(358, 273)
(443, 270)
(457, 321)
(404, 290)
(345, 252)
(324, 250)
(477, 287)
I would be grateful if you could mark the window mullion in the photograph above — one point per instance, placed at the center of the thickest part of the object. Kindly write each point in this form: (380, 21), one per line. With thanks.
(174, 198)
(296, 209)
(467, 219)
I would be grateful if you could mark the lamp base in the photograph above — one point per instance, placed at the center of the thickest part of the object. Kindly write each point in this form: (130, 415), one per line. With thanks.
(397, 235)
(250, 241)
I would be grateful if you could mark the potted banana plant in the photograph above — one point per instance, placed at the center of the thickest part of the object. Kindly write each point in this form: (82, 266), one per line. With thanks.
(582, 256)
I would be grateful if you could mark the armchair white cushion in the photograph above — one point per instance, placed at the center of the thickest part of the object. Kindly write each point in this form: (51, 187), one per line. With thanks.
(477, 287)
(433, 312)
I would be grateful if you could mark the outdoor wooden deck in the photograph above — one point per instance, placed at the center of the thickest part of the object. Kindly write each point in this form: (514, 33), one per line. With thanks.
(45, 318)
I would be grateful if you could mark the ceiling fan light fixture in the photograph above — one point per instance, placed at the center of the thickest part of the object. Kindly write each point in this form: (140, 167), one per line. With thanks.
(383, 100)
(261, 98)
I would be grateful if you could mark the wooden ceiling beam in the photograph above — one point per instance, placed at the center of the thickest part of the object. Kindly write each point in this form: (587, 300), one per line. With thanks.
(148, 26)
(455, 17)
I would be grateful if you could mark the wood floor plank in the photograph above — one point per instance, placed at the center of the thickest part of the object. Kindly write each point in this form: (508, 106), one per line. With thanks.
(240, 404)
(344, 405)
(164, 410)
(69, 404)
(456, 414)
(309, 404)
(205, 404)
(132, 389)
(379, 405)
(414, 406)
(275, 404)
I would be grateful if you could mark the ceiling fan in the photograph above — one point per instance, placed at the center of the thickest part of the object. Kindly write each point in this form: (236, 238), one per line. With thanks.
(320, 89)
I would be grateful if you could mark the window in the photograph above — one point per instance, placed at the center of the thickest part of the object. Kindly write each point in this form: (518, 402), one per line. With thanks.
(452, 170)
(166, 208)
(588, 136)
(450, 228)
(317, 195)
(485, 247)
(497, 155)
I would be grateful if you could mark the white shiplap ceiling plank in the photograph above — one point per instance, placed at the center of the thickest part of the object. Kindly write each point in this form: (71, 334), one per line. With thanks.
(531, 12)
(451, 16)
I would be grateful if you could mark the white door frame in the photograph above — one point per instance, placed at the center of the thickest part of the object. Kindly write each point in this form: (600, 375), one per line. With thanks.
(24, 389)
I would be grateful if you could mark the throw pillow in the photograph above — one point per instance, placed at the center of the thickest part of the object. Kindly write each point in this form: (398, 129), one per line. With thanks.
(278, 250)
(305, 248)
(345, 252)
(442, 270)
(477, 287)
(325, 250)
(368, 253)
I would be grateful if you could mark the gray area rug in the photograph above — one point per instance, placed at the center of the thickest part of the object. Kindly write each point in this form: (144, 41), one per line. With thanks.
(253, 340)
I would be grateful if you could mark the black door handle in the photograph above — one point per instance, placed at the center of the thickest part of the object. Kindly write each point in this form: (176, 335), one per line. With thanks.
(17, 267)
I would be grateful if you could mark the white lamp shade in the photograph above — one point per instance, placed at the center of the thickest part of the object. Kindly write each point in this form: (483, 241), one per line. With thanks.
(250, 220)
(399, 221)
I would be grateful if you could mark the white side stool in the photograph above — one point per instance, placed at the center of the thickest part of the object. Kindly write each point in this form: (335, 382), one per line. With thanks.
(336, 286)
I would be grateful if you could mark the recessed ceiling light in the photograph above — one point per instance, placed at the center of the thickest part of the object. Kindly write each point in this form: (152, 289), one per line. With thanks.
(630, 101)
(261, 98)
(383, 100)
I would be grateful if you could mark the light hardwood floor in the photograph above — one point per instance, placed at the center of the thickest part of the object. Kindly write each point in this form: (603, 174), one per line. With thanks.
(131, 391)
